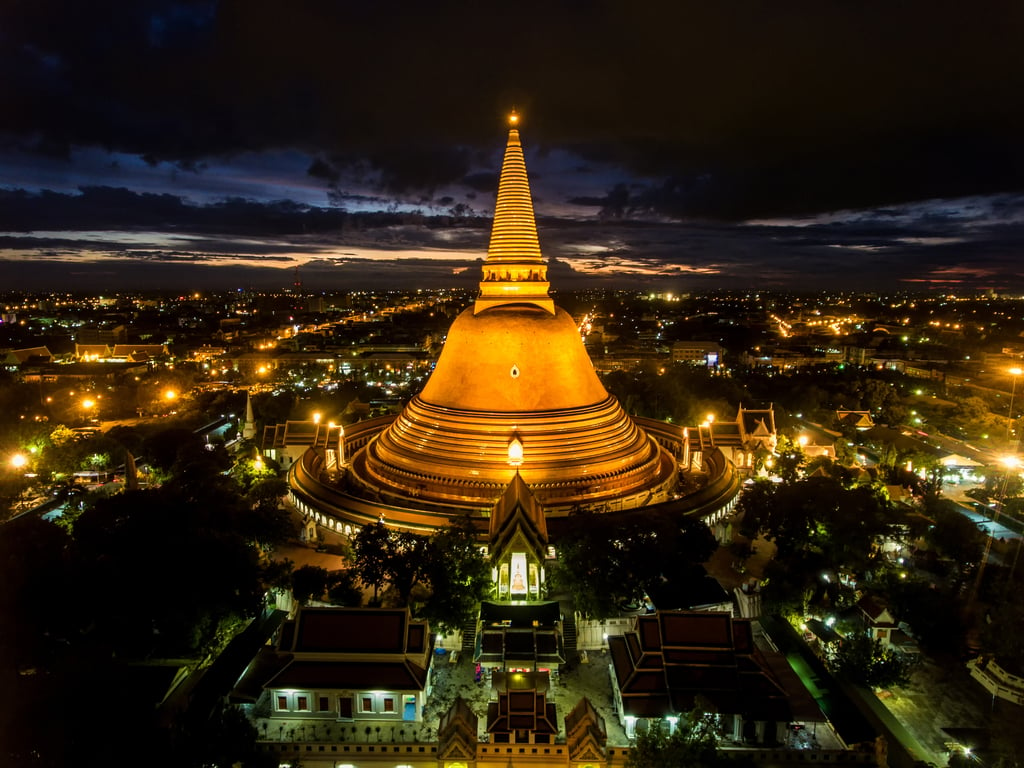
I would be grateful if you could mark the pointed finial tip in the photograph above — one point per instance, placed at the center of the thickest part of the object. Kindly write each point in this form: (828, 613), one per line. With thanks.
(513, 118)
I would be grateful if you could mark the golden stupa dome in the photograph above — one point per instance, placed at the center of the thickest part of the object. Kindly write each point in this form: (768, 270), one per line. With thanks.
(514, 370)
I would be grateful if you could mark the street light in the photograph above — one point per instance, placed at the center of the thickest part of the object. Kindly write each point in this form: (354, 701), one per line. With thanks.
(1014, 372)
(19, 461)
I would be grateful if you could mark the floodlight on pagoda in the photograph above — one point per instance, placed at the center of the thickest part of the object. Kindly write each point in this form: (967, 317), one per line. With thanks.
(515, 452)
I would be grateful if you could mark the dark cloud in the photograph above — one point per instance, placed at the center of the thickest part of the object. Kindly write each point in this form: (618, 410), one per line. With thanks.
(654, 131)
(800, 107)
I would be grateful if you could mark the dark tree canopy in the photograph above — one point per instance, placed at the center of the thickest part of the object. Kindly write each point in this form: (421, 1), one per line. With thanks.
(862, 660)
(605, 561)
(458, 575)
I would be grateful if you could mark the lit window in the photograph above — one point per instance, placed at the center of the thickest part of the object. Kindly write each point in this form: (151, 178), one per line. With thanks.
(282, 702)
(366, 704)
(302, 703)
(389, 705)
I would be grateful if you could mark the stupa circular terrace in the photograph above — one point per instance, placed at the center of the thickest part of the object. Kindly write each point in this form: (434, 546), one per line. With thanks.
(335, 497)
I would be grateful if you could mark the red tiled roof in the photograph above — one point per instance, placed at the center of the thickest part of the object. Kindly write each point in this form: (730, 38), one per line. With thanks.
(395, 676)
(337, 630)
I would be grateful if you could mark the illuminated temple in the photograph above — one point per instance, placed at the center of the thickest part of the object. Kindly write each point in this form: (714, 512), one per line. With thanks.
(513, 393)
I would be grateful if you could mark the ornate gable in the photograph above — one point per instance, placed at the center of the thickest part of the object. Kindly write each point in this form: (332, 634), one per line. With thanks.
(585, 734)
(518, 543)
(456, 733)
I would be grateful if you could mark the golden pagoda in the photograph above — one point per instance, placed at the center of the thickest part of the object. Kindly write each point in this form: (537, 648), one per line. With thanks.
(514, 391)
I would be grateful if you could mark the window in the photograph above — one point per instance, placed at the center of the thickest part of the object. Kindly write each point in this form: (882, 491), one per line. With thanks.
(345, 707)
(366, 704)
(324, 704)
(302, 703)
(282, 702)
(389, 704)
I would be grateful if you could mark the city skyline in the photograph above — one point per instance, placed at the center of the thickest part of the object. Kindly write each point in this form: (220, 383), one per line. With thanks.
(679, 147)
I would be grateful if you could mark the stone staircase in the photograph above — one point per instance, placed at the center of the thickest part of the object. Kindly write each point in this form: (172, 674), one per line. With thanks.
(469, 638)
(569, 637)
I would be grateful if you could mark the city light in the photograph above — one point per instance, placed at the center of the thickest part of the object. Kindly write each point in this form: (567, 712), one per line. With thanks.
(19, 460)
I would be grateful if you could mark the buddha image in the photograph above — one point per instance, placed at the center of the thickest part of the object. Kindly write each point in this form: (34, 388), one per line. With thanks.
(518, 585)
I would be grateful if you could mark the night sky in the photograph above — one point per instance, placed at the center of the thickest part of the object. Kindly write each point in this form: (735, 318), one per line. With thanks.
(677, 146)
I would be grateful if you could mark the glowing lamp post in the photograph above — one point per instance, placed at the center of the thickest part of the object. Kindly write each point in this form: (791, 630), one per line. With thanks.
(1015, 373)
(88, 407)
(19, 461)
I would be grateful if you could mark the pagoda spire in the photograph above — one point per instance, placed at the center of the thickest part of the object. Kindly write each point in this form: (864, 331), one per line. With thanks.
(514, 272)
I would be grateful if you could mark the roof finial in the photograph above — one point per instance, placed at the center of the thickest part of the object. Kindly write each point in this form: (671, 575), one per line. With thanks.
(513, 118)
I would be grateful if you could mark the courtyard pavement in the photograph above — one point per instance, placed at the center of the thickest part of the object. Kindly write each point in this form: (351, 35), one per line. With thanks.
(942, 705)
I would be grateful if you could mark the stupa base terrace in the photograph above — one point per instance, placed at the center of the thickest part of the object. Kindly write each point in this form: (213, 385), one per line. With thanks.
(335, 495)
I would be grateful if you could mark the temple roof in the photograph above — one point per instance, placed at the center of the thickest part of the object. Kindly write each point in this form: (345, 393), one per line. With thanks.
(518, 505)
(671, 658)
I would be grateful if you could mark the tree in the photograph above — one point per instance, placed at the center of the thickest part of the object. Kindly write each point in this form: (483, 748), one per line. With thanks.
(342, 589)
(309, 582)
(790, 461)
(406, 562)
(371, 554)
(693, 744)
(864, 661)
(953, 534)
(606, 561)
(588, 567)
(458, 574)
